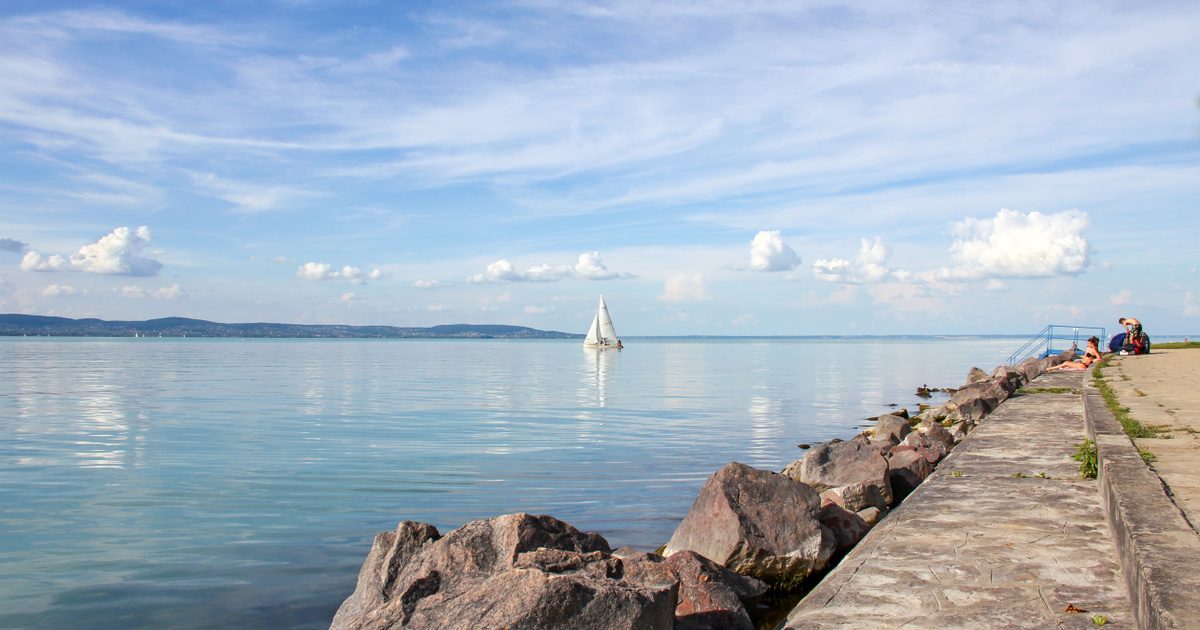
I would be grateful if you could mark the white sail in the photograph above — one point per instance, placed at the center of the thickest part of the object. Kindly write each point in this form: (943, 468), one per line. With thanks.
(602, 333)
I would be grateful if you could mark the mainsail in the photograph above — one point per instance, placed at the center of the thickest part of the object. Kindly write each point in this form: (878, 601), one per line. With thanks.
(601, 332)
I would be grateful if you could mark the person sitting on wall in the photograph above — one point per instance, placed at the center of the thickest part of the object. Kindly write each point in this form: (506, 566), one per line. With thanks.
(1089, 357)
(1136, 341)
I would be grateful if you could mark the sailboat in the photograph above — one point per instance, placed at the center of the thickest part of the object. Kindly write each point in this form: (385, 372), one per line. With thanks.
(602, 334)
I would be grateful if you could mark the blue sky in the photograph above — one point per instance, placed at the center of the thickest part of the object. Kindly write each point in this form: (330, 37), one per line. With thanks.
(711, 167)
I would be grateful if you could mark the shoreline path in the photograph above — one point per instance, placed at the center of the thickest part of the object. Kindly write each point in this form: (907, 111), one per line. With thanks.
(1005, 534)
(1162, 391)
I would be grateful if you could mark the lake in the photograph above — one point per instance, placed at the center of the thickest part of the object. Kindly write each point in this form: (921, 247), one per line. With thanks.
(223, 482)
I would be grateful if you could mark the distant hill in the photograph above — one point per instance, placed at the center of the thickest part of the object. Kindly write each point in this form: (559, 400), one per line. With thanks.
(16, 325)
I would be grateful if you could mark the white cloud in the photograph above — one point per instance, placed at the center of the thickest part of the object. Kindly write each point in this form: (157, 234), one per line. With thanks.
(349, 298)
(429, 284)
(116, 253)
(994, 285)
(684, 287)
(438, 308)
(1017, 245)
(869, 267)
(768, 252)
(537, 310)
(60, 290)
(1191, 307)
(172, 292)
(588, 267)
(1122, 297)
(325, 271)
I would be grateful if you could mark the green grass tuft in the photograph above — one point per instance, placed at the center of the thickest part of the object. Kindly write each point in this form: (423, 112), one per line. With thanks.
(1147, 456)
(1133, 428)
(1085, 454)
(1175, 345)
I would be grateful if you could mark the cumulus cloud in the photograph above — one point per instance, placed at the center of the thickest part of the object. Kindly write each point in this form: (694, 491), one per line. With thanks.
(117, 253)
(60, 290)
(768, 252)
(1018, 245)
(1122, 297)
(349, 298)
(429, 284)
(589, 266)
(13, 245)
(870, 266)
(325, 271)
(172, 292)
(684, 287)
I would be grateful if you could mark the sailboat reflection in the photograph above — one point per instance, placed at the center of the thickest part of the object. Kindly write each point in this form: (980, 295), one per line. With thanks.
(597, 369)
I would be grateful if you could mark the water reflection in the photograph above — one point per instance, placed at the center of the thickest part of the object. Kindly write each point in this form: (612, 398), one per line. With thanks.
(597, 362)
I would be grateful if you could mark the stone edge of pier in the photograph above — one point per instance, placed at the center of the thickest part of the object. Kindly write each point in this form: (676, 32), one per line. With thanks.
(1158, 549)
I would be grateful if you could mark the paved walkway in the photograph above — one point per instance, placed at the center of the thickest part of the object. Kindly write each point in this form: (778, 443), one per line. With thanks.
(1004, 535)
(1162, 390)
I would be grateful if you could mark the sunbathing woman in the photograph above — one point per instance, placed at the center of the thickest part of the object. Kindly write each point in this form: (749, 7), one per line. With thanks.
(1089, 357)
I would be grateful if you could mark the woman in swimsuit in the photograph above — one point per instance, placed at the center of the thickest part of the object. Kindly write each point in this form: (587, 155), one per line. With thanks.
(1089, 357)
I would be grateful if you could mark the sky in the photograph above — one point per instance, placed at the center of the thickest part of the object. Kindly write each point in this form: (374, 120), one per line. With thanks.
(723, 168)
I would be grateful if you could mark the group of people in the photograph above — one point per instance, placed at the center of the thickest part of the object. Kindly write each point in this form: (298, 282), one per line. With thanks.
(1135, 342)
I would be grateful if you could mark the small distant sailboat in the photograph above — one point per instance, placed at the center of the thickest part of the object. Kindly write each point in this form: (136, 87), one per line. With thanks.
(602, 334)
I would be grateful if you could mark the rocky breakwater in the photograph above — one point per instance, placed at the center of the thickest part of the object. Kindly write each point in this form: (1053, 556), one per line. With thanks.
(748, 531)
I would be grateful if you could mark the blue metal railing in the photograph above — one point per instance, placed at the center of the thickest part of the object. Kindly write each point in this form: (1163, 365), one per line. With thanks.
(1043, 343)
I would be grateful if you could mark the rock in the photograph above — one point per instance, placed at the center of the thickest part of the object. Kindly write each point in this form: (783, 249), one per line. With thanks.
(804, 446)
(901, 413)
(1011, 374)
(858, 470)
(1030, 368)
(977, 400)
(934, 413)
(924, 391)
(848, 527)
(935, 432)
(711, 596)
(891, 427)
(757, 523)
(933, 451)
(976, 375)
(517, 570)
(959, 431)
(906, 471)
(871, 515)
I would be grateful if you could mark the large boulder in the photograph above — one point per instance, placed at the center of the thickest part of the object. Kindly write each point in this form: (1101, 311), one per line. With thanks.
(931, 450)
(711, 596)
(1030, 368)
(976, 375)
(848, 527)
(514, 571)
(857, 470)
(935, 432)
(907, 469)
(1011, 374)
(973, 402)
(891, 428)
(757, 523)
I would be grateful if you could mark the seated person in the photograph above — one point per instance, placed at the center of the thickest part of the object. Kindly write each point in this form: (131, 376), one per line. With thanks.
(1089, 357)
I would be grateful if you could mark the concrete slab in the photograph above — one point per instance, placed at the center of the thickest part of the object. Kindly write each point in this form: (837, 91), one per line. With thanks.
(1004, 535)
(1162, 389)
(1157, 544)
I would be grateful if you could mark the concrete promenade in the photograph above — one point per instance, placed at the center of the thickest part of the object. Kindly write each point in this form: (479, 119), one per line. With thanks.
(1152, 510)
(1005, 534)
(1162, 390)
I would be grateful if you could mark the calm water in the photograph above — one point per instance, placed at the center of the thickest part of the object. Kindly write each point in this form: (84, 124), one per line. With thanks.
(201, 483)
